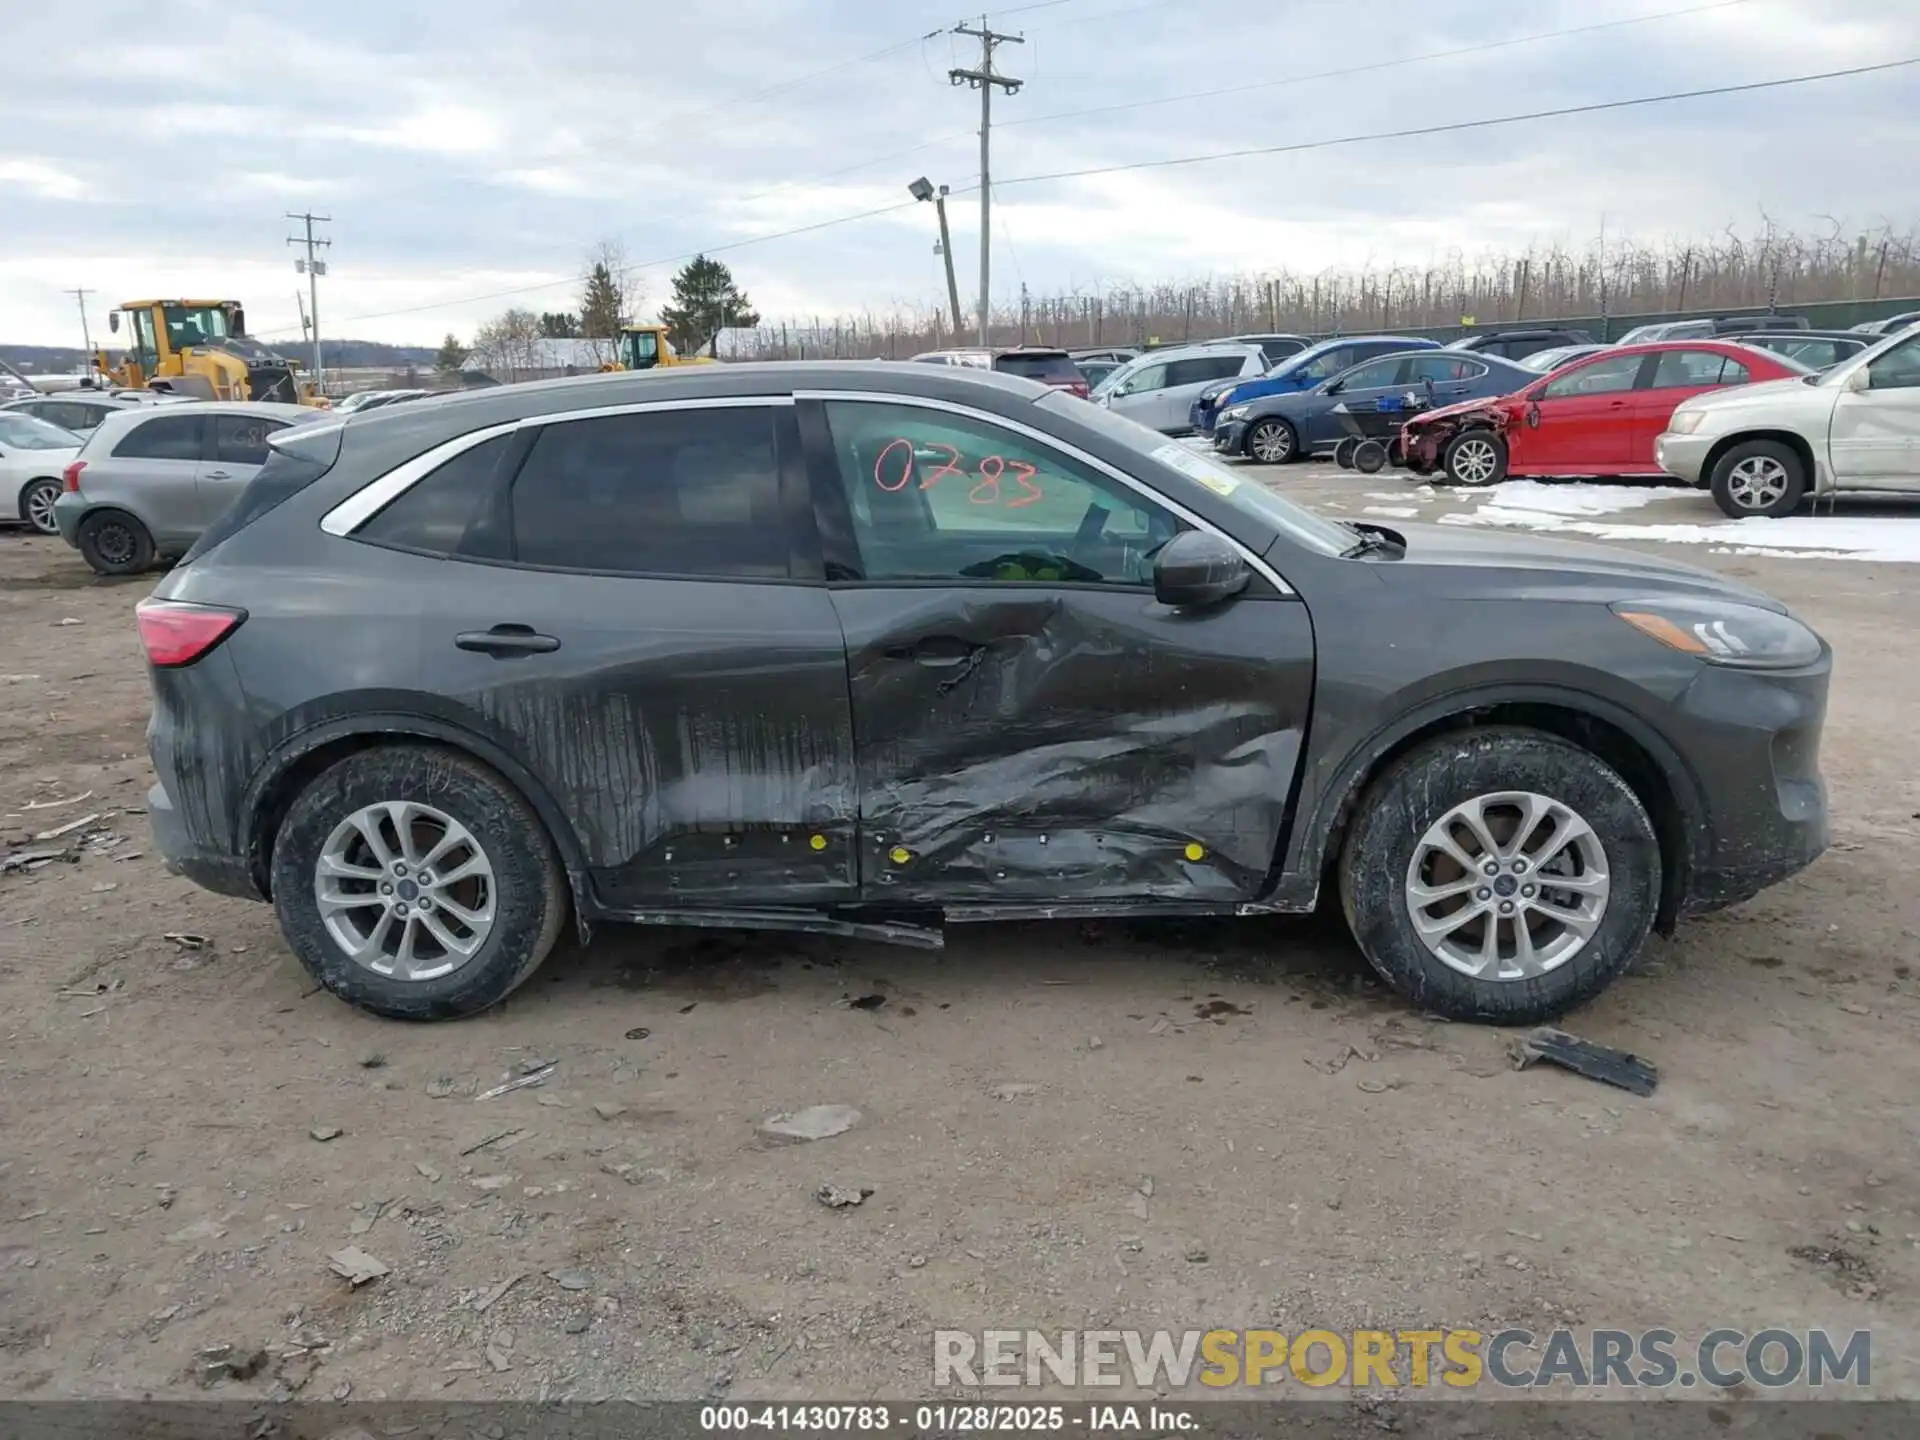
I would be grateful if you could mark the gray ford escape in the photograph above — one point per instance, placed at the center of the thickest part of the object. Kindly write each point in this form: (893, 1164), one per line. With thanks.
(865, 648)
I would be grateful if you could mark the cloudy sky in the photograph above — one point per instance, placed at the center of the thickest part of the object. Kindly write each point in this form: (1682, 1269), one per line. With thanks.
(470, 153)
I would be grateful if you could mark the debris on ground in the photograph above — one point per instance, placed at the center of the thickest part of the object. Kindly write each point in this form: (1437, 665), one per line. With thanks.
(494, 1139)
(427, 1171)
(440, 1087)
(324, 1133)
(227, 1362)
(1336, 1063)
(1583, 1057)
(1137, 1202)
(1380, 1087)
(536, 1076)
(815, 1122)
(867, 1002)
(68, 828)
(56, 804)
(1013, 1091)
(841, 1197)
(487, 1301)
(639, 1032)
(1196, 1254)
(1219, 1011)
(608, 1111)
(199, 1230)
(568, 1279)
(500, 1350)
(1852, 1271)
(356, 1266)
(185, 940)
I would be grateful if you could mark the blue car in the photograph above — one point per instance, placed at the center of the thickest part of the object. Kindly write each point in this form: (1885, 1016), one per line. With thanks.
(1318, 362)
(1274, 429)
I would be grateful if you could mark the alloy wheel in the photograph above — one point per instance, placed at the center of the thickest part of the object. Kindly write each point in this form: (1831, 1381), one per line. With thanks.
(1757, 482)
(1271, 443)
(1507, 886)
(40, 509)
(405, 890)
(1474, 462)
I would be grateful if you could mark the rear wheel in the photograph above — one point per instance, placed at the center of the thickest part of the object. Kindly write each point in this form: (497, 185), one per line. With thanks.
(1271, 442)
(415, 883)
(1474, 458)
(1759, 477)
(36, 504)
(112, 542)
(1500, 874)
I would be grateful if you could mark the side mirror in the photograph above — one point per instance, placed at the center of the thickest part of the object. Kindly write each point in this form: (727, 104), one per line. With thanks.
(1198, 568)
(1861, 379)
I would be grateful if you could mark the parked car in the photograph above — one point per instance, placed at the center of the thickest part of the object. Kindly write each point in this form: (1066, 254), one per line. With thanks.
(1597, 416)
(150, 479)
(859, 643)
(77, 411)
(1095, 371)
(379, 399)
(1316, 363)
(1721, 325)
(1159, 388)
(1816, 349)
(1545, 362)
(1116, 354)
(1295, 426)
(1030, 362)
(1764, 449)
(33, 455)
(1892, 325)
(1275, 347)
(1518, 344)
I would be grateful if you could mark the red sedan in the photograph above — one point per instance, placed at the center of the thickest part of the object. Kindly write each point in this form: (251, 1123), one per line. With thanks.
(1597, 416)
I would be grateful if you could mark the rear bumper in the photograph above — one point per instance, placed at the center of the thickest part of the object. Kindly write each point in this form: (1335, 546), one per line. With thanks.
(212, 870)
(67, 511)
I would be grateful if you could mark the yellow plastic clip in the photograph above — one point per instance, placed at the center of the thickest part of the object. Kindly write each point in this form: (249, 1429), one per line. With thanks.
(900, 855)
(818, 842)
(1196, 851)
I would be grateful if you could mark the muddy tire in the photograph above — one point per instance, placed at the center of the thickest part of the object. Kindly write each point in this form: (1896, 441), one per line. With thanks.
(1271, 442)
(112, 542)
(1576, 863)
(36, 504)
(1759, 477)
(415, 883)
(1474, 459)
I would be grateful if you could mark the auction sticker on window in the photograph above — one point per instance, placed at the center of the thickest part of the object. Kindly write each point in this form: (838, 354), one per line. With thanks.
(1210, 473)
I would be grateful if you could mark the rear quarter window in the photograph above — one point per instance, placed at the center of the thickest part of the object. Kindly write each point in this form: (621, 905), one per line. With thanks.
(433, 515)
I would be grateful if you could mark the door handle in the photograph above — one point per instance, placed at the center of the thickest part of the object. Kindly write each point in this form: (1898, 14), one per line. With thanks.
(1618, 405)
(937, 651)
(506, 640)
(218, 475)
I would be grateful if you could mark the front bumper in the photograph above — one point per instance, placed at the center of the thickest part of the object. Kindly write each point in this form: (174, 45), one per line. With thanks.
(1229, 438)
(1683, 456)
(1200, 418)
(67, 511)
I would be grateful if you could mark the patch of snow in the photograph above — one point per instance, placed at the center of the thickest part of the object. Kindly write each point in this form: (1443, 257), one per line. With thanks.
(1534, 498)
(1424, 494)
(1804, 537)
(1393, 512)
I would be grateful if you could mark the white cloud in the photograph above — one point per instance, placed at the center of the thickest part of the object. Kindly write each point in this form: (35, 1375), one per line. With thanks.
(44, 180)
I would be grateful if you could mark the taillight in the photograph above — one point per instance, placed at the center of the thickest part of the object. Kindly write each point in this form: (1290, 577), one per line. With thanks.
(177, 633)
(70, 477)
(1080, 389)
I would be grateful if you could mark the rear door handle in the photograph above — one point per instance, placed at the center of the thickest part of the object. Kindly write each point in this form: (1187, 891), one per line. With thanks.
(938, 651)
(505, 640)
(218, 475)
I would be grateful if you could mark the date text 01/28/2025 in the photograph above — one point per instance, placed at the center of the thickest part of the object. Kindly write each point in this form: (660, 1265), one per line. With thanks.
(944, 1419)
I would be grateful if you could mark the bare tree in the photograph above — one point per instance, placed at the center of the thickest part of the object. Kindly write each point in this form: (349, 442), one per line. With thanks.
(508, 346)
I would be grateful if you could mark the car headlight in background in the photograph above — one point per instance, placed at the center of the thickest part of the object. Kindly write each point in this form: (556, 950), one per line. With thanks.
(1724, 632)
(1235, 412)
(1685, 422)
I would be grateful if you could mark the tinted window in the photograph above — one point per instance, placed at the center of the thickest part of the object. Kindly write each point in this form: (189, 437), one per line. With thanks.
(1054, 369)
(1603, 377)
(1203, 368)
(242, 439)
(280, 479)
(68, 414)
(1898, 369)
(435, 512)
(1147, 377)
(164, 437)
(945, 497)
(1688, 369)
(23, 432)
(1274, 351)
(675, 492)
(1734, 373)
(1445, 367)
(1818, 354)
(1326, 366)
(1376, 376)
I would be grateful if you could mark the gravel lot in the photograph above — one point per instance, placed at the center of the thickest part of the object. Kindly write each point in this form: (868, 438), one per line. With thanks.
(1319, 1155)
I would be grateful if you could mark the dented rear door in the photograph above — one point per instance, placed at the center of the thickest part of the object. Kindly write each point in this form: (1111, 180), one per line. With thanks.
(1030, 724)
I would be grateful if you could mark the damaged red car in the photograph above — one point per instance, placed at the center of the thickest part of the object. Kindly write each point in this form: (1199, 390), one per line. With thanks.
(1598, 416)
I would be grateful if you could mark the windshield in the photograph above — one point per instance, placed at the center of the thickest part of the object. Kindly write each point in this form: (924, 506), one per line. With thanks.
(640, 350)
(1299, 524)
(23, 432)
(189, 325)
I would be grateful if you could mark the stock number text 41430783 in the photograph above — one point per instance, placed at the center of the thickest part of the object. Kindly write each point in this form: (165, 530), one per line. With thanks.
(992, 480)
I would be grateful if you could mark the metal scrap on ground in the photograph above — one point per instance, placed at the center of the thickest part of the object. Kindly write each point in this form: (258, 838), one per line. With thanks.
(1583, 1057)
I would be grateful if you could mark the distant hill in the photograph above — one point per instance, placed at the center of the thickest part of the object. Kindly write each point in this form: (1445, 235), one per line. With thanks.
(354, 354)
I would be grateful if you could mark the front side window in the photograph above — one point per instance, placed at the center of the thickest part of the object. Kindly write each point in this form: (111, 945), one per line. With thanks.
(1147, 377)
(693, 493)
(145, 349)
(1376, 376)
(643, 351)
(1326, 366)
(1611, 376)
(164, 437)
(1898, 369)
(942, 497)
(242, 439)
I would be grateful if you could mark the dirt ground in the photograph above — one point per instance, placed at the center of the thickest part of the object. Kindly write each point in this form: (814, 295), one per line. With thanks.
(1318, 1154)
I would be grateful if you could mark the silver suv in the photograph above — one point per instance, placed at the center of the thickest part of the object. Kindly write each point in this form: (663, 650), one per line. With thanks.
(150, 479)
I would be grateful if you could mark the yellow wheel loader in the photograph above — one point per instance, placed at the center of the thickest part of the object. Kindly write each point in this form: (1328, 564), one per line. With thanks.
(646, 347)
(201, 348)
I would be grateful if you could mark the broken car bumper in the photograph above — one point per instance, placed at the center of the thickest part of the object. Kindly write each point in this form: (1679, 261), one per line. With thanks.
(1683, 456)
(1229, 437)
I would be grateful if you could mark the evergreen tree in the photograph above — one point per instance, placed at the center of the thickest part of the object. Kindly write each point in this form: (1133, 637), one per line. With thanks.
(600, 304)
(450, 357)
(558, 326)
(705, 302)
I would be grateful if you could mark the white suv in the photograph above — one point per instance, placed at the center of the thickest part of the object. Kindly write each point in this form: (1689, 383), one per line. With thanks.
(1763, 448)
(1159, 388)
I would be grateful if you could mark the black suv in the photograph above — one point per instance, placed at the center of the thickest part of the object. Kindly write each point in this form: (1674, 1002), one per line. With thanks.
(858, 648)
(1518, 344)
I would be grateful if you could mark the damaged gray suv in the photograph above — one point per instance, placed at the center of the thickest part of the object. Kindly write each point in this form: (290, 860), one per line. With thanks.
(869, 649)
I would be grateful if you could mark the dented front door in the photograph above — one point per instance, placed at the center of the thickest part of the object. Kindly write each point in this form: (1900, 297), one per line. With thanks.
(1030, 725)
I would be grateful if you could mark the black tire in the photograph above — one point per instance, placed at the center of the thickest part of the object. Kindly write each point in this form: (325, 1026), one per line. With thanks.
(1420, 789)
(1370, 457)
(1772, 480)
(529, 898)
(1276, 437)
(36, 504)
(1343, 452)
(112, 542)
(1468, 446)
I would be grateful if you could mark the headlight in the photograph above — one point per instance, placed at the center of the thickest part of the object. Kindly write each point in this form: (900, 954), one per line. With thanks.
(1685, 422)
(1235, 412)
(1724, 632)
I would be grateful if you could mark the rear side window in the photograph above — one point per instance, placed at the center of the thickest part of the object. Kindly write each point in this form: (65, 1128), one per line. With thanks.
(434, 513)
(1690, 369)
(692, 493)
(1446, 367)
(164, 437)
(1052, 369)
(242, 439)
(277, 481)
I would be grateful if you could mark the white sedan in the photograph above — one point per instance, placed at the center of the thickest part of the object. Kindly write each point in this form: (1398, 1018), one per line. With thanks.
(32, 456)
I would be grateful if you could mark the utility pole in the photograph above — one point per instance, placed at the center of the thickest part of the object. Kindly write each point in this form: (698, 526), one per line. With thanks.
(313, 269)
(86, 336)
(984, 80)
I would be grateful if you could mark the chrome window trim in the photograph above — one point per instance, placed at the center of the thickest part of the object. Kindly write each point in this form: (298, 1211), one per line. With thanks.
(366, 502)
(1139, 487)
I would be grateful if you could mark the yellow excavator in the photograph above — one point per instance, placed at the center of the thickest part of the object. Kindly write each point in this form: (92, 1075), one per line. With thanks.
(201, 348)
(646, 347)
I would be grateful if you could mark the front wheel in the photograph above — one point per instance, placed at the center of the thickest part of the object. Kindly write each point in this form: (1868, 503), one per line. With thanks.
(1475, 458)
(1760, 477)
(1271, 442)
(1502, 875)
(36, 504)
(416, 883)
